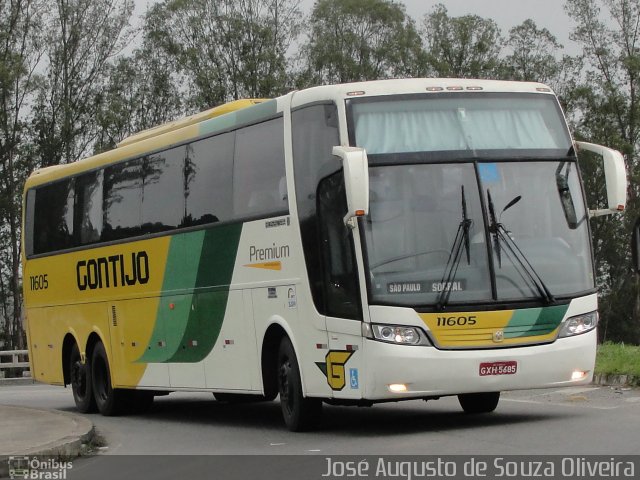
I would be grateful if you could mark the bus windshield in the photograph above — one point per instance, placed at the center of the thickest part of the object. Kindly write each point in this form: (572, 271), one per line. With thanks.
(469, 124)
(491, 228)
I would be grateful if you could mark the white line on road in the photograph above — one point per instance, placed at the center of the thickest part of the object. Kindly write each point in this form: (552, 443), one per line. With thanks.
(575, 390)
(571, 405)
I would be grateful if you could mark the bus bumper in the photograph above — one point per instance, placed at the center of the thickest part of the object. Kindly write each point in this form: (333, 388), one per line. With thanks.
(429, 372)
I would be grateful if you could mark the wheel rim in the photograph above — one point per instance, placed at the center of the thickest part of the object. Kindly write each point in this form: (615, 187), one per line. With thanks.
(286, 395)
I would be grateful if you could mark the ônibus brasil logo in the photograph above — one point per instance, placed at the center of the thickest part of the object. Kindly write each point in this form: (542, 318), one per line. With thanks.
(38, 468)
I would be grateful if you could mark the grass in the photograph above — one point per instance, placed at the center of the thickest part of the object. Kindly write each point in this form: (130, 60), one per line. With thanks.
(618, 359)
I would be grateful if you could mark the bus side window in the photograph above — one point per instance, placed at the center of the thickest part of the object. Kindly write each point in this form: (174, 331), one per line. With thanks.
(162, 190)
(87, 214)
(53, 211)
(258, 166)
(206, 174)
(122, 200)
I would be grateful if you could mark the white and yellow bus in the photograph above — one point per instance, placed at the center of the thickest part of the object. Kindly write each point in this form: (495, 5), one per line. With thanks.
(348, 244)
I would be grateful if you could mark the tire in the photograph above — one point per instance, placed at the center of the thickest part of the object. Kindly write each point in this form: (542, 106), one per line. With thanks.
(299, 413)
(81, 384)
(110, 401)
(474, 403)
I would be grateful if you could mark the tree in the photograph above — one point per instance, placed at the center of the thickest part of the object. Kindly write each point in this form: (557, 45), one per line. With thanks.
(227, 49)
(355, 40)
(20, 44)
(533, 54)
(142, 92)
(46, 118)
(461, 47)
(83, 38)
(607, 111)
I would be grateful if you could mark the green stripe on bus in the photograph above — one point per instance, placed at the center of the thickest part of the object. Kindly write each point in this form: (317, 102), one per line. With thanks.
(181, 270)
(187, 325)
(535, 321)
(261, 111)
(217, 261)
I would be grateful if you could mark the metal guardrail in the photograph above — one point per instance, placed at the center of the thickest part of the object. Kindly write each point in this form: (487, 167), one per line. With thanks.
(15, 359)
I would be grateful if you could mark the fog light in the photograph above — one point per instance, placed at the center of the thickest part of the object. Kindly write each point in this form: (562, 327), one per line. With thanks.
(578, 375)
(397, 387)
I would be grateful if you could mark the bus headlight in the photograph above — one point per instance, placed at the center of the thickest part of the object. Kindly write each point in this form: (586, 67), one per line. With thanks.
(578, 324)
(399, 334)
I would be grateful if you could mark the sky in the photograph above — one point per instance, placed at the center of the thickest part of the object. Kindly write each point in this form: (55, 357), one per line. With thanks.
(507, 13)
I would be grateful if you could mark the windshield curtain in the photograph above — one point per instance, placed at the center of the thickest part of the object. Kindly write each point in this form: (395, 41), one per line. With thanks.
(416, 211)
(469, 122)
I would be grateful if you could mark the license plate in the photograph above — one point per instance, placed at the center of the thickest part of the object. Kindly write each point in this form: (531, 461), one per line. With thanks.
(498, 368)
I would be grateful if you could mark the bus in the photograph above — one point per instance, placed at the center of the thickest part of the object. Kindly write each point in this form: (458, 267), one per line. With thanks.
(348, 244)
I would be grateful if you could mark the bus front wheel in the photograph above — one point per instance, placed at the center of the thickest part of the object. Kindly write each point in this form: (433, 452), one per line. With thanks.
(81, 386)
(110, 401)
(479, 402)
(299, 413)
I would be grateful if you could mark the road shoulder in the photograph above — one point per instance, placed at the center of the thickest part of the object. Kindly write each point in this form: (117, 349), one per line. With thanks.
(31, 431)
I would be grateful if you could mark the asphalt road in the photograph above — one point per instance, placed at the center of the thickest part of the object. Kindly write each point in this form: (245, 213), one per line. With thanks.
(577, 421)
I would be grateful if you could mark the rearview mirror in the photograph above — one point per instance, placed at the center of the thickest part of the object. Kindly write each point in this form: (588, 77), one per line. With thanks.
(356, 181)
(615, 177)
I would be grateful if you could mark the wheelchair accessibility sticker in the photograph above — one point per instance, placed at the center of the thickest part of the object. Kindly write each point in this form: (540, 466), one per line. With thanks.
(353, 376)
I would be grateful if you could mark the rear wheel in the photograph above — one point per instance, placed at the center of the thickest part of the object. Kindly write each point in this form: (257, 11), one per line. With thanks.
(81, 386)
(110, 401)
(479, 402)
(299, 413)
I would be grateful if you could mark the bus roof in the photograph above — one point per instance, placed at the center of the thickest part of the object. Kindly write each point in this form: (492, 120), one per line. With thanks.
(414, 85)
(240, 112)
(184, 122)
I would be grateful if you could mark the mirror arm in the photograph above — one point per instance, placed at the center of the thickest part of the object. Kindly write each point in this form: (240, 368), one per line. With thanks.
(602, 212)
(350, 221)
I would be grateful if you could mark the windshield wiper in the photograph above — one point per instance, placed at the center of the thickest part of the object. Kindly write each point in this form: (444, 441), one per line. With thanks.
(453, 262)
(502, 237)
(493, 228)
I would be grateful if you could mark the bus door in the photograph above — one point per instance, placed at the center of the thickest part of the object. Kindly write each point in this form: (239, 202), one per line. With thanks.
(342, 290)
